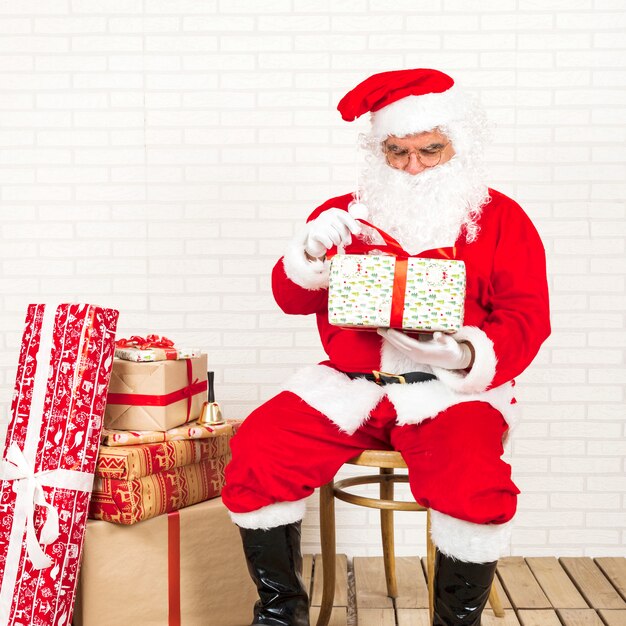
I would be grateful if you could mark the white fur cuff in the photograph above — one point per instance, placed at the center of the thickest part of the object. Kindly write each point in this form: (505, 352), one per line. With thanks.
(300, 270)
(484, 367)
(271, 516)
(466, 541)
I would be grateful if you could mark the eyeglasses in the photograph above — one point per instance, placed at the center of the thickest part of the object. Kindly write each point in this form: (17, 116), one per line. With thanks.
(399, 157)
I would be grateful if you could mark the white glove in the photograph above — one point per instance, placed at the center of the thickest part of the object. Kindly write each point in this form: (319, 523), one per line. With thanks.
(333, 227)
(441, 351)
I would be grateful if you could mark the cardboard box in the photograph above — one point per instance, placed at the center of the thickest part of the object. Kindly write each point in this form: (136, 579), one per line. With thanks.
(156, 396)
(125, 572)
(382, 291)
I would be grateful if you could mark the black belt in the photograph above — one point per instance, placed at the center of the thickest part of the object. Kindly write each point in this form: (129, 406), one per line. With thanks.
(384, 378)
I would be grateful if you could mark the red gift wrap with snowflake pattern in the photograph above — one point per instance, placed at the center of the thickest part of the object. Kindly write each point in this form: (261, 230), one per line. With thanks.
(49, 459)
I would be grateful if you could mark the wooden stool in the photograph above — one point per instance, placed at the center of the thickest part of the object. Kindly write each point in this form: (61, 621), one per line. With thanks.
(386, 461)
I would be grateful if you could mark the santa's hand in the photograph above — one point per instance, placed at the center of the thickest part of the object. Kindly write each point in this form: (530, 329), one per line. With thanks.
(441, 351)
(333, 227)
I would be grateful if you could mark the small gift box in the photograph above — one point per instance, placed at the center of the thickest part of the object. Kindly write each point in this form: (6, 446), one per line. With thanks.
(152, 348)
(112, 437)
(50, 457)
(186, 567)
(381, 291)
(392, 289)
(135, 483)
(156, 396)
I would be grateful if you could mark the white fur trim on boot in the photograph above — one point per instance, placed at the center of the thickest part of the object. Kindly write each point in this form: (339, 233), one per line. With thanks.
(483, 369)
(307, 274)
(466, 541)
(271, 515)
(347, 403)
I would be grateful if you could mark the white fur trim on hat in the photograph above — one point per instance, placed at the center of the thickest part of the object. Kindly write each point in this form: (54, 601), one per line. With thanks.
(483, 370)
(271, 515)
(300, 270)
(347, 403)
(416, 114)
(466, 541)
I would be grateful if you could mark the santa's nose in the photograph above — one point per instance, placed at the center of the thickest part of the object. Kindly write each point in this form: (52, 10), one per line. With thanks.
(414, 165)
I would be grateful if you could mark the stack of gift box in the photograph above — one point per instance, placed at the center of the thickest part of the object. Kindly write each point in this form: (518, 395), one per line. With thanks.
(162, 534)
(160, 547)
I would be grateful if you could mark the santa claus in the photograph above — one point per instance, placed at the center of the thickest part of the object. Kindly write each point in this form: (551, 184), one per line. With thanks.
(451, 408)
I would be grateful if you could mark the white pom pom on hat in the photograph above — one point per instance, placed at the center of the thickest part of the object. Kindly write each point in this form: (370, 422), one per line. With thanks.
(405, 102)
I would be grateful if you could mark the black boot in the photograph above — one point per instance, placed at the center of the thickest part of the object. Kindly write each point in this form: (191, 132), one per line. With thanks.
(461, 590)
(275, 564)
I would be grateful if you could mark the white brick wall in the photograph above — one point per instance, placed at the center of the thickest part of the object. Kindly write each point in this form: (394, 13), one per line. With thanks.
(156, 155)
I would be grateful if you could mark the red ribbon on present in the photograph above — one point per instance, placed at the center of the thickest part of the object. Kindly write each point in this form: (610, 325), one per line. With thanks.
(173, 569)
(136, 399)
(150, 341)
(393, 248)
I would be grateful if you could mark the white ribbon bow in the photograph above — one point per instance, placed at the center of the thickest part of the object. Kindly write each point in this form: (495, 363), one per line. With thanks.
(16, 468)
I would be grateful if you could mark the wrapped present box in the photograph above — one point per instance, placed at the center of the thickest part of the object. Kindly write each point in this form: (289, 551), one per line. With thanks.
(147, 355)
(185, 568)
(385, 291)
(151, 348)
(136, 483)
(156, 396)
(111, 437)
(50, 457)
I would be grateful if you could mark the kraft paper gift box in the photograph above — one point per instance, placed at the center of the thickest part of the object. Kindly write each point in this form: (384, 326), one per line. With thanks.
(385, 291)
(136, 483)
(156, 396)
(111, 437)
(49, 459)
(183, 568)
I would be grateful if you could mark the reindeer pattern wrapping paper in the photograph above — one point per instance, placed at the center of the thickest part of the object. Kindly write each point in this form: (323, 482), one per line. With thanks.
(135, 483)
(49, 459)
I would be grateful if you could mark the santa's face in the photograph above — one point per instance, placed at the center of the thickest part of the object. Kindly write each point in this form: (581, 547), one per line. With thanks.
(415, 153)
(421, 191)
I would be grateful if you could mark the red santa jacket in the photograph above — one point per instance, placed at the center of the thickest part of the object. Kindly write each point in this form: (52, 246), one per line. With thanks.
(506, 321)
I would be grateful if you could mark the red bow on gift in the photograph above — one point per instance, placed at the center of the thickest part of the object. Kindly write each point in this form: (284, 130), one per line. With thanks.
(151, 341)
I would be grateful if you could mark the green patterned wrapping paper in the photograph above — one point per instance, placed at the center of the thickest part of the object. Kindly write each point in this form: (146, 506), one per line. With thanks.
(361, 289)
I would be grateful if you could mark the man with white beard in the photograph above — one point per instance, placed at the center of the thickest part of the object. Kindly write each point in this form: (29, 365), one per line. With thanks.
(448, 403)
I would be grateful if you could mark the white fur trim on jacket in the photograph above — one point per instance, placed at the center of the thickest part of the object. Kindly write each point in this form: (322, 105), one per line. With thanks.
(271, 515)
(300, 270)
(419, 401)
(466, 541)
(415, 114)
(347, 403)
(484, 367)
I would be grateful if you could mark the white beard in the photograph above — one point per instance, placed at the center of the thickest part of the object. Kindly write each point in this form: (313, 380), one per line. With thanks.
(425, 211)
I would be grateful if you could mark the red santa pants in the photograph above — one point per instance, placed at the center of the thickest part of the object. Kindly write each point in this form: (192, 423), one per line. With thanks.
(285, 449)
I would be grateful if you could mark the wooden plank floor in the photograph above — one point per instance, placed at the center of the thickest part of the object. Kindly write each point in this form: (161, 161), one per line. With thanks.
(534, 591)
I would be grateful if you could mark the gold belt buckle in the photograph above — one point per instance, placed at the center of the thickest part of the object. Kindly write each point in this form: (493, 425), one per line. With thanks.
(378, 374)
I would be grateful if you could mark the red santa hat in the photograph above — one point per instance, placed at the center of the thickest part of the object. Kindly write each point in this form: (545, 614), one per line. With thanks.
(404, 102)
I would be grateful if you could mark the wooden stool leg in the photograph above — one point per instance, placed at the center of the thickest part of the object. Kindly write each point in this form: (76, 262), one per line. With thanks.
(494, 601)
(430, 567)
(327, 537)
(386, 527)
